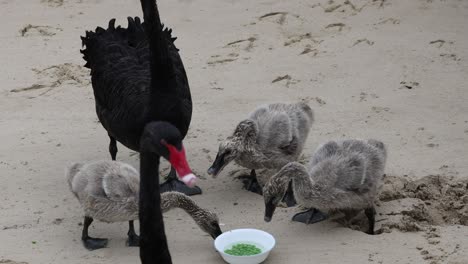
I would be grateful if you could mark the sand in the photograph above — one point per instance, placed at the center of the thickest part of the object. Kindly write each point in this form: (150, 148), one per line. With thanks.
(395, 70)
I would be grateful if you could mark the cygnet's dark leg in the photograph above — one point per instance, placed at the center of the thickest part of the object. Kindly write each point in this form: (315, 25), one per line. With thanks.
(113, 147)
(133, 239)
(310, 216)
(250, 183)
(370, 213)
(349, 215)
(288, 198)
(89, 242)
(172, 184)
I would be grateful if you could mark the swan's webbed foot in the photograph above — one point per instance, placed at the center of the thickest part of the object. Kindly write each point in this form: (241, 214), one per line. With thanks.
(174, 185)
(91, 243)
(133, 239)
(310, 216)
(250, 183)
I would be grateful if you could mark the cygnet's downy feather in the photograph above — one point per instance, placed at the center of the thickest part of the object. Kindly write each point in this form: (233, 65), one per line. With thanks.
(342, 175)
(270, 137)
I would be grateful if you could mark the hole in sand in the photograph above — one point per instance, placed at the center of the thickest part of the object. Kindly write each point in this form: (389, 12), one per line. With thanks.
(418, 205)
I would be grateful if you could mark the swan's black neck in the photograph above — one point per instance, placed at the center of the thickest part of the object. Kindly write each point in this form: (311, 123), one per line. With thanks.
(153, 243)
(162, 70)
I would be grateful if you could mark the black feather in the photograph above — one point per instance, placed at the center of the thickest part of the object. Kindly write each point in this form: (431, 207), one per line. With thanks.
(111, 24)
(120, 72)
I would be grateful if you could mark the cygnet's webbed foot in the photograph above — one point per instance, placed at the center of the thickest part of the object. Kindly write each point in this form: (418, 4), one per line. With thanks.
(91, 243)
(310, 216)
(94, 243)
(370, 213)
(250, 183)
(288, 198)
(174, 185)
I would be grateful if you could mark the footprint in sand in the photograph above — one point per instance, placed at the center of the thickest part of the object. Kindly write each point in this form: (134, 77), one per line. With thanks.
(379, 113)
(435, 255)
(9, 261)
(408, 85)
(440, 43)
(278, 17)
(363, 40)
(220, 61)
(248, 47)
(308, 47)
(445, 45)
(364, 96)
(391, 20)
(235, 47)
(59, 3)
(56, 75)
(380, 109)
(338, 26)
(33, 30)
(316, 99)
(380, 3)
(450, 56)
(214, 86)
(53, 3)
(342, 7)
(298, 38)
(286, 79)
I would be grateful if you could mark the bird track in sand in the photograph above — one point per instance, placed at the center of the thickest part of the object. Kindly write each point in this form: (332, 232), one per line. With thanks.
(31, 30)
(56, 75)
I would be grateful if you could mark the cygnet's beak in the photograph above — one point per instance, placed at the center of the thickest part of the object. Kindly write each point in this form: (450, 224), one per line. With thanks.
(217, 165)
(217, 232)
(269, 210)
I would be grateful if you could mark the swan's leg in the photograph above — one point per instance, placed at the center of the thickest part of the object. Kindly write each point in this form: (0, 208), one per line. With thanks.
(310, 216)
(133, 239)
(370, 213)
(172, 184)
(89, 242)
(250, 183)
(113, 147)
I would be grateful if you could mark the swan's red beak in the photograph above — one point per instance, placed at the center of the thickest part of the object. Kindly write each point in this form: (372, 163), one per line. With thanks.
(179, 162)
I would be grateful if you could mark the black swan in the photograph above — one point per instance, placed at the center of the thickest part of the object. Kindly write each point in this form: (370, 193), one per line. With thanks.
(133, 86)
(142, 94)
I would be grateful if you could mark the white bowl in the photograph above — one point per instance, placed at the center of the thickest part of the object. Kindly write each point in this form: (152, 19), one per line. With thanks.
(259, 238)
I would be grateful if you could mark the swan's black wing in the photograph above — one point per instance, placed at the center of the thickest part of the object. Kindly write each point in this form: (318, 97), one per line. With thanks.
(119, 60)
